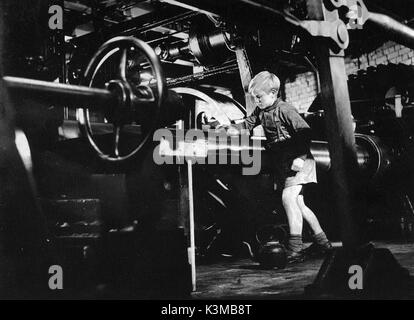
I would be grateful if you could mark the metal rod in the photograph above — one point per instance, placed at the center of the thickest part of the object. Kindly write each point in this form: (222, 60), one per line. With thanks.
(191, 211)
(61, 94)
(189, 7)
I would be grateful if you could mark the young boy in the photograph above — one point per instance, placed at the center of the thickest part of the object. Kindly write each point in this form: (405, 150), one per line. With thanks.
(288, 140)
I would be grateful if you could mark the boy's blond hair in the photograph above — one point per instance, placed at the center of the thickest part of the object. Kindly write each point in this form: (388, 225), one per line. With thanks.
(264, 81)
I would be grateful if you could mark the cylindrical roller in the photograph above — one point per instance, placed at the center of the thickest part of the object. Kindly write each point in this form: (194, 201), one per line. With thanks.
(378, 156)
(372, 155)
(209, 44)
(211, 48)
(320, 152)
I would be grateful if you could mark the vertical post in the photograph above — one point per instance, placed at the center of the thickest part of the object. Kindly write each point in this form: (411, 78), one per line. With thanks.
(183, 183)
(335, 98)
(191, 249)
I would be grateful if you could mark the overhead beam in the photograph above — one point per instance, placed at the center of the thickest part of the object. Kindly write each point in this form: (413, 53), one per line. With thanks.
(161, 17)
(238, 10)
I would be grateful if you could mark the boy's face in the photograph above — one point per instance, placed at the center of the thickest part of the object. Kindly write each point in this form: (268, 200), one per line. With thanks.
(264, 99)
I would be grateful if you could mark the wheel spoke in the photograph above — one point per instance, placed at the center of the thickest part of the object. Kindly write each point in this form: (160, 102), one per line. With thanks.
(117, 133)
(123, 64)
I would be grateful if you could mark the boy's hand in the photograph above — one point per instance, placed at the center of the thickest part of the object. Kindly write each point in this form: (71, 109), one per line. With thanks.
(211, 123)
(297, 164)
(221, 127)
(232, 131)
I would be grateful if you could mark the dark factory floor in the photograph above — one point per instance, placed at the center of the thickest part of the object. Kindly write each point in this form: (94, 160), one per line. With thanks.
(244, 279)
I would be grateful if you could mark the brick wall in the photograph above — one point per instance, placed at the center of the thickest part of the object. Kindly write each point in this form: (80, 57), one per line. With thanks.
(302, 90)
(389, 52)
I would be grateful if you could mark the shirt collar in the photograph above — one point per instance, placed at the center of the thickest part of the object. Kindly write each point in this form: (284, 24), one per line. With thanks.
(274, 105)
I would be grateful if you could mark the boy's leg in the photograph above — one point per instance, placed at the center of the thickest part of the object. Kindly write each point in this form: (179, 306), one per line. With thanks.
(294, 216)
(309, 216)
(293, 211)
(320, 242)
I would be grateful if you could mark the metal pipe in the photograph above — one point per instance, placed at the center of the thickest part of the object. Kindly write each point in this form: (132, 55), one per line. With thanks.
(400, 32)
(61, 94)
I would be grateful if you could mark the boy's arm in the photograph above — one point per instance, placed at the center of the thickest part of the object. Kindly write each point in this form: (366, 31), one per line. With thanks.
(302, 131)
(249, 122)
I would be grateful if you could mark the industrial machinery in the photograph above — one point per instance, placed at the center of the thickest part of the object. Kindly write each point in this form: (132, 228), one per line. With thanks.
(85, 116)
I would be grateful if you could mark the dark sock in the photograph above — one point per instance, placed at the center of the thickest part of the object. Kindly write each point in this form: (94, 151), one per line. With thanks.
(320, 238)
(295, 242)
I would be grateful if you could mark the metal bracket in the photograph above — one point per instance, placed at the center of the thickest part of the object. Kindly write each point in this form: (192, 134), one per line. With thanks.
(335, 30)
(333, 27)
(357, 14)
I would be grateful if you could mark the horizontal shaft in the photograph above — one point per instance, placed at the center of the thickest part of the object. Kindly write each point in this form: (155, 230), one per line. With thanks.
(398, 31)
(61, 94)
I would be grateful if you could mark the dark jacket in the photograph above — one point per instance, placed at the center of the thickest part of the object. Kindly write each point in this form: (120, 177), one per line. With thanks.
(286, 131)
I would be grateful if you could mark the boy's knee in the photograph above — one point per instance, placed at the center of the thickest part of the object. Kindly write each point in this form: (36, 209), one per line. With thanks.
(289, 197)
(301, 201)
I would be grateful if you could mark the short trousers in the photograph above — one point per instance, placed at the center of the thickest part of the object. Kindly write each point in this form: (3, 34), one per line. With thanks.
(285, 176)
(306, 175)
